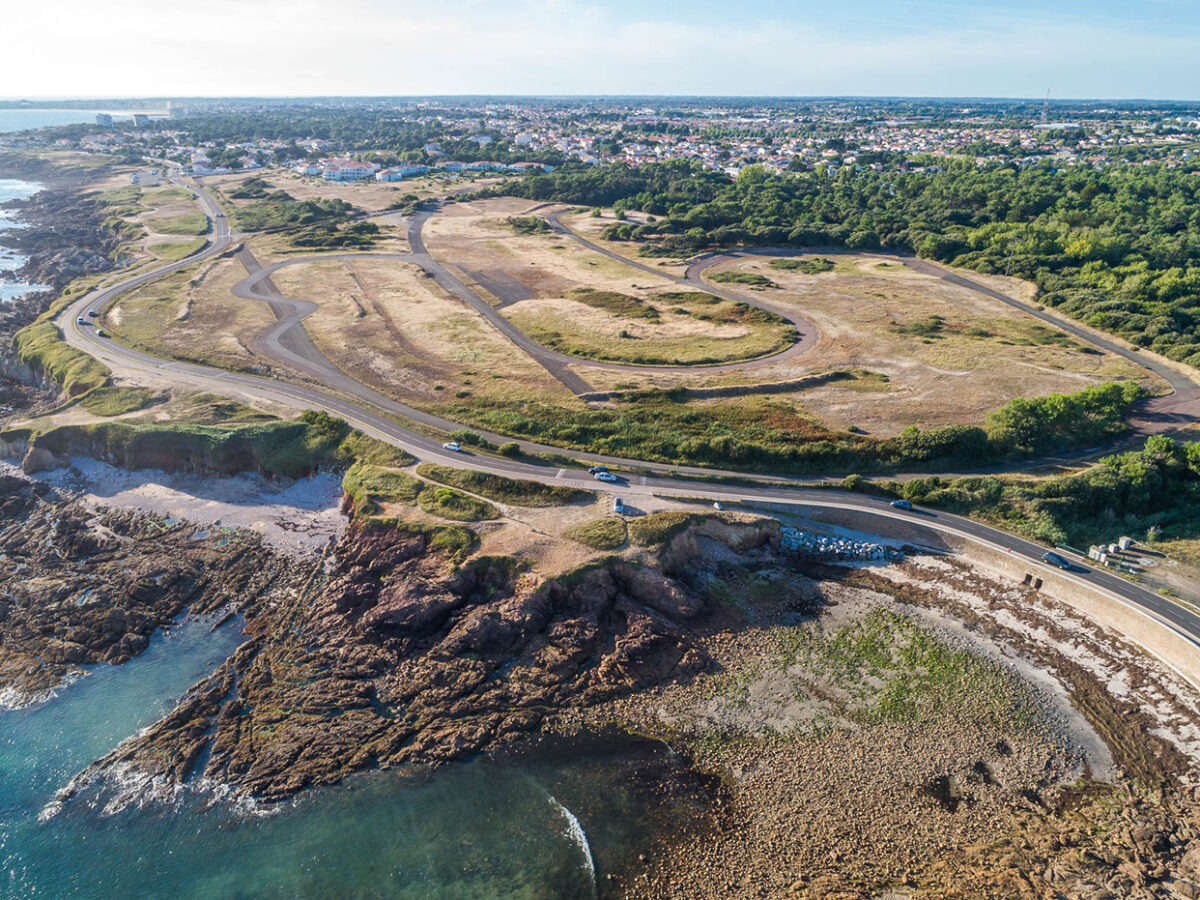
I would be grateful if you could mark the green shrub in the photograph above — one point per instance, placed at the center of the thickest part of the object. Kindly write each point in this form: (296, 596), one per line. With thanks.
(750, 278)
(807, 266)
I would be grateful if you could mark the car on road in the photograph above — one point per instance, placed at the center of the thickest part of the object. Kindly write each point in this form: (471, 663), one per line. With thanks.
(100, 333)
(93, 313)
(605, 476)
(1055, 560)
(901, 504)
(594, 469)
(81, 321)
(452, 445)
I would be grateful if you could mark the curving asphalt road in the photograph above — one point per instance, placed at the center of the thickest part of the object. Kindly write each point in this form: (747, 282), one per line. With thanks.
(356, 408)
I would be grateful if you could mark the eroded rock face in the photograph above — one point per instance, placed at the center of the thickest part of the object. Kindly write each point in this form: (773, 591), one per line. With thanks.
(402, 657)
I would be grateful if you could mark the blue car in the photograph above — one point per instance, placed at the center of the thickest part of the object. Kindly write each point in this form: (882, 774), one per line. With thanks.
(901, 504)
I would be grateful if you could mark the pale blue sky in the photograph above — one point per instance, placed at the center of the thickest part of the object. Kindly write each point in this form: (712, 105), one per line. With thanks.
(1104, 48)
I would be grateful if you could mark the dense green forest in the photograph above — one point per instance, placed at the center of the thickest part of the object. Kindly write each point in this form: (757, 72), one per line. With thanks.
(1118, 247)
(1153, 493)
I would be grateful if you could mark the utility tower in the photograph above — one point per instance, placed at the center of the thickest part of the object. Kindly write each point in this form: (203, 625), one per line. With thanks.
(1046, 107)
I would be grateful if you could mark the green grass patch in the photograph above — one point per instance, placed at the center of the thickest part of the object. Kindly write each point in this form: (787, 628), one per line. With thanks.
(753, 279)
(503, 490)
(161, 196)
(116, 401)
(657, 528)
(804, 266)
(895, 672)
(191, 223)
(450, 504)
(369, 485)
(40, 345)
(600, 534)
(173, 252)
(615, 303)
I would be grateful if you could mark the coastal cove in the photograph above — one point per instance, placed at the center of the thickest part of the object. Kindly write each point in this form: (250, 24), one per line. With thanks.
(529, 829)
(12, 287)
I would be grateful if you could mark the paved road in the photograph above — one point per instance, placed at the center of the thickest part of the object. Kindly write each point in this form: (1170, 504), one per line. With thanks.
(359, 413)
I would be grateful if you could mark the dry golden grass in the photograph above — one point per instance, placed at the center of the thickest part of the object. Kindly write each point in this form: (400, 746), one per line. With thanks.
(871, 312)
(475, 238)
(390, 325)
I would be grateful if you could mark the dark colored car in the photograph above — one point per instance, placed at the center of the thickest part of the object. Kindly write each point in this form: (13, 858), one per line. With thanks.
(901, 504)
(1055, 560)
(594, 469)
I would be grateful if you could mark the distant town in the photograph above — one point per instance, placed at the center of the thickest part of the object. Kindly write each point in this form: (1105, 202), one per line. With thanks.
(390, 141)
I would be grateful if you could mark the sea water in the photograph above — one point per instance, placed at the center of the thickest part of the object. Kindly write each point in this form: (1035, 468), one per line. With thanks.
(483, 829)
(12, 189)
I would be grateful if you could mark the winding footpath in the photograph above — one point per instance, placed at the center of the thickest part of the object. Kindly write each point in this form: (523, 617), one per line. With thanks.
(339, 395)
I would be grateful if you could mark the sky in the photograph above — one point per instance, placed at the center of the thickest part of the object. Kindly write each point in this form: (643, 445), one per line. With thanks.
(928, 48)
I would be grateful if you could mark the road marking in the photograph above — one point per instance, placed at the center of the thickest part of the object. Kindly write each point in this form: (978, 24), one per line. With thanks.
(561, 473)
(642, 481)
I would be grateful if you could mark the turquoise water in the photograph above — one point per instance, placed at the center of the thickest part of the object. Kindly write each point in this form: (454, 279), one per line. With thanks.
(478, 830)
(12, 189)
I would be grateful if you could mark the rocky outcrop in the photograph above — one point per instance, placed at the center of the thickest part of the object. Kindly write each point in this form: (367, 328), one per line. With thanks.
(401, 657)
(78, 588)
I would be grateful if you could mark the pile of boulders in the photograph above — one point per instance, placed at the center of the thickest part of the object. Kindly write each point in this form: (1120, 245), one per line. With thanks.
(824, 547)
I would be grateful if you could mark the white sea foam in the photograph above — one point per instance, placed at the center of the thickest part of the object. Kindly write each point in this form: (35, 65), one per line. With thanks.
(574, 832)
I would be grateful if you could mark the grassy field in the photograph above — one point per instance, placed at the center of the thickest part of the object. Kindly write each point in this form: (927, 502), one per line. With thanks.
(599, 534)
(176, 250)
(450, 504)
(117, 401)
(189, 224)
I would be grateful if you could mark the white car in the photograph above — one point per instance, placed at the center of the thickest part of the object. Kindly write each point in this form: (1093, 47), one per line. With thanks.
(605, 476)
(453, 445)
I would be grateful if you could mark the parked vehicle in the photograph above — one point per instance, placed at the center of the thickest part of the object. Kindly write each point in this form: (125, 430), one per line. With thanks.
(1055, 560)
(605, 476)
(453, 445)
(618, 505)
(902, 504)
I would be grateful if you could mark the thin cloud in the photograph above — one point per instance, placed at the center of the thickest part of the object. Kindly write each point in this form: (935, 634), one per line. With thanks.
(223, 47)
